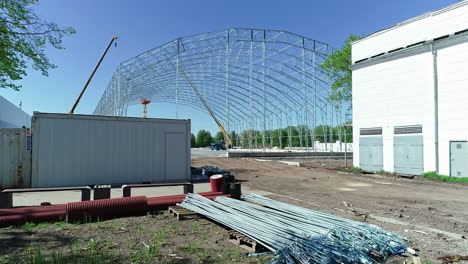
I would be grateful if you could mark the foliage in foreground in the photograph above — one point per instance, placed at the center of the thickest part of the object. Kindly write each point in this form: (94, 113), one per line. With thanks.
(23, 39)
(434, 175)
(336, 66)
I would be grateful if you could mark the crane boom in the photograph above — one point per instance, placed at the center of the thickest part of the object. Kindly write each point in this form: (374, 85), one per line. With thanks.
(226, 136)
(92, 74)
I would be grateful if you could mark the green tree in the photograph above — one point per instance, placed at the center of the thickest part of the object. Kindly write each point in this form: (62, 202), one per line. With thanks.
(219, 137)
(233, 137)
(23, 40)
(192, 141)
(204, 138)
(336, 66)
(322, 131)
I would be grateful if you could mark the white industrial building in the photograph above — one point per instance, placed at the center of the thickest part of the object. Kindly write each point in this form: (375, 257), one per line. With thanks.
(410, 95)
(12, 116)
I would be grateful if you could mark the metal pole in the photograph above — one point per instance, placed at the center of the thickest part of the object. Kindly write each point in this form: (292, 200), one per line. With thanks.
(227, 90)
(305, 120)
(251, 93)
(436, 107)
(345, 149)
(264, 91)
(177, 79)
(91, 76)
(315, 99)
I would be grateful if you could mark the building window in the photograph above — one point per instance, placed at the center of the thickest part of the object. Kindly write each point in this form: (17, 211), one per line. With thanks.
(370, 131)
(415, 129)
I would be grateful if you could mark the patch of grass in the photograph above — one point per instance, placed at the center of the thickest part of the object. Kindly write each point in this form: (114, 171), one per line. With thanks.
(28, 227)
(174, 227)
(140, 230)
(203, 256)
(263, 259)
(434, 175)
(351, 169)
(60, 224)
(233, 254)
(203, 235)
(387, 172)
(160, 236)
(194, 227)
(191, 248)
(34, 255)
(137, 256)
(153, 251)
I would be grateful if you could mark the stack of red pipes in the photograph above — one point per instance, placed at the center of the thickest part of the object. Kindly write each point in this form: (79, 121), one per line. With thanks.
(102, 209)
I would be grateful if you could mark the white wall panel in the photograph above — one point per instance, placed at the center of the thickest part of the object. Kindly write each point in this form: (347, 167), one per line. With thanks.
(453, 99)
(12, 116)
(395, 93)
(70, 150)
(439, 23)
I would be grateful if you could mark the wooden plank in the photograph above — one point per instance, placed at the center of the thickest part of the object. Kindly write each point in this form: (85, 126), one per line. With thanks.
(182, 213)
(244, 242)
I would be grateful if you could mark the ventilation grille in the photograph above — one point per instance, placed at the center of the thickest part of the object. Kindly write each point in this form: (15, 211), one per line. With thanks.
(370, 131)
(408, 129)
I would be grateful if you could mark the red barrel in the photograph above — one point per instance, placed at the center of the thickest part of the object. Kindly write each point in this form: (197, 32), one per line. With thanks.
(216, 182)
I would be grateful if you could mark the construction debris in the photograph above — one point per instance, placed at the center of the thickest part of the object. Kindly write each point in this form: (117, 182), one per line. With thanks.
(299, 235)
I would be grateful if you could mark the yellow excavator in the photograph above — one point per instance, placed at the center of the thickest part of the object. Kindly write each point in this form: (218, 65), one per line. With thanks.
(226, 136)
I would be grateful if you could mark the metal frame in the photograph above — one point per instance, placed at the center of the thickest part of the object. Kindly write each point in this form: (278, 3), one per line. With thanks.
(251, 78)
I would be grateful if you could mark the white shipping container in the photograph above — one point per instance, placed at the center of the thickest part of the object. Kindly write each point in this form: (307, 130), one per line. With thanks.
(74, 150)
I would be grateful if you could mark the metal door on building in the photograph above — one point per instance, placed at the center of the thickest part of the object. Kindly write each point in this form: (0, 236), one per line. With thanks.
(408, 154)
(175, 162)
(458, 159)
(371, 153)
(15, 158)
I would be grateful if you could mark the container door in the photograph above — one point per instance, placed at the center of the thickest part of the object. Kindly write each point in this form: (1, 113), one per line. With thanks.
(458, 159)
(15, 158)
(176, 158)
(408, 154)
(371, 153)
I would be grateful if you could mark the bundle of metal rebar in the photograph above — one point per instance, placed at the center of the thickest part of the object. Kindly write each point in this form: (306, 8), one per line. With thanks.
(299, 235)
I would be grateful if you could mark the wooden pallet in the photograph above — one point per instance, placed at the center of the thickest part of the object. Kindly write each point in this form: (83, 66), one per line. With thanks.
(245, 242)
(182, 213)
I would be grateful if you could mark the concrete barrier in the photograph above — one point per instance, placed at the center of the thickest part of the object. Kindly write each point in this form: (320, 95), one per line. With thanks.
(282, 155)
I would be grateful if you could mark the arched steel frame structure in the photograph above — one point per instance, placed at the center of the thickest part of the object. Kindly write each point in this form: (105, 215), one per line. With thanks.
(254, 80)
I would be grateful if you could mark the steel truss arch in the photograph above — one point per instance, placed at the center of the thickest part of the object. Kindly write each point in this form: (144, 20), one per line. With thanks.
(254, 80)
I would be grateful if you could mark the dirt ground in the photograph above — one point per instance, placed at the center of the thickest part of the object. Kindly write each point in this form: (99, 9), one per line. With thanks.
(431, 213)
(148, 239)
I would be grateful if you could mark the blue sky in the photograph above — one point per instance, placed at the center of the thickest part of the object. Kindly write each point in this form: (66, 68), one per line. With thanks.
(142, 25)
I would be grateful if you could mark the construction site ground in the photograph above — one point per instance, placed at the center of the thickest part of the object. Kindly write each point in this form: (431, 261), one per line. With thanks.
(432, 214)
